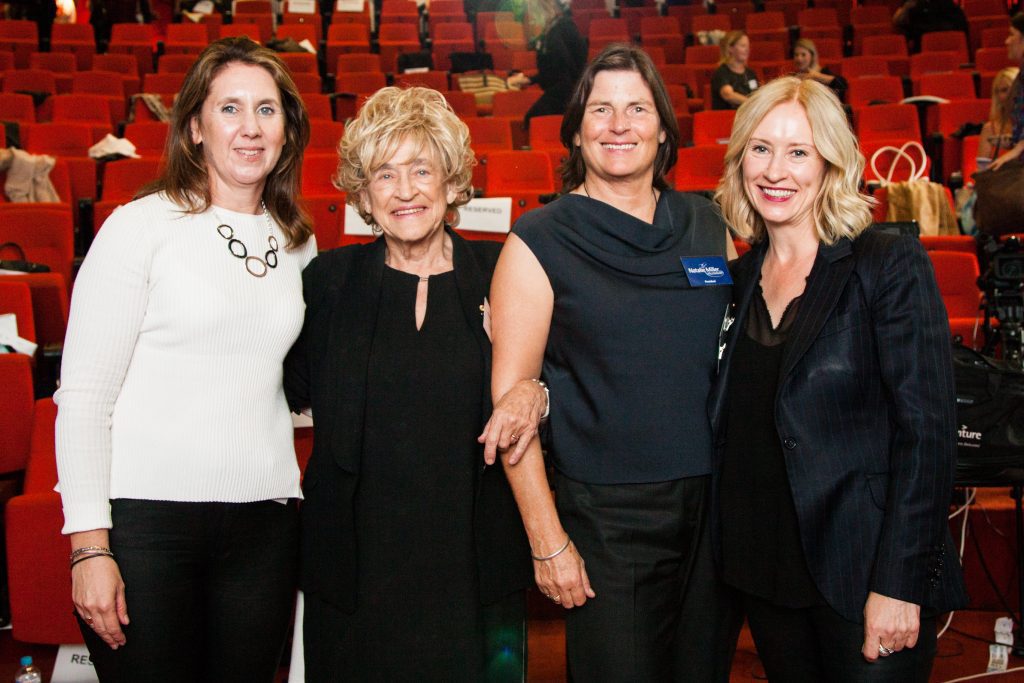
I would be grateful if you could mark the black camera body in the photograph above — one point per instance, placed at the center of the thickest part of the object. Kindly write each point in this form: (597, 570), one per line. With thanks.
(1003, 284)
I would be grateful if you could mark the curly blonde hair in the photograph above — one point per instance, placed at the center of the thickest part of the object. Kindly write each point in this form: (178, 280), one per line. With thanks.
(389, 118)
(840, 209)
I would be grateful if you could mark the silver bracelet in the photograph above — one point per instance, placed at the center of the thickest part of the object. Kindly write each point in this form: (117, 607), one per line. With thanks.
(547, 400)
(554, 554)
(89, 549)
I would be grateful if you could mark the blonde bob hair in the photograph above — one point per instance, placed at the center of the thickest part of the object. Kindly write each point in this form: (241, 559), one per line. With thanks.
(840, 209)
(812, 50)
(389, 118)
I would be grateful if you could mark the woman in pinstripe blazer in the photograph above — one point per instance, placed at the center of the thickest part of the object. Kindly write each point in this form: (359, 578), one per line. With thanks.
(834, 411)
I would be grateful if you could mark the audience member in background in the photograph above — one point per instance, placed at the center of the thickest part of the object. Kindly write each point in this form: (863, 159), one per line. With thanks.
(174, 442)
(834, 413)
(997, 133)
(414, 560)
(733, 81)
(805, 61)
(1015, 47)
(561, 56)
(590, 293)
(43, 12)
(914, 18)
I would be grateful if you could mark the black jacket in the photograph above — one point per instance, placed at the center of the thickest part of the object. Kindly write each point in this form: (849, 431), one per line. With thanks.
(326, 370)
(865, 412)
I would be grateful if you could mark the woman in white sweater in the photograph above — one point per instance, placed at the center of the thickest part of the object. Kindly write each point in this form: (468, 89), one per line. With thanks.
(174, 443)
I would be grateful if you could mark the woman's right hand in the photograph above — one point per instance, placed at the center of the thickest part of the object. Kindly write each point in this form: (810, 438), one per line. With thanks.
(98, 593)
(564, 579)
(518, 81)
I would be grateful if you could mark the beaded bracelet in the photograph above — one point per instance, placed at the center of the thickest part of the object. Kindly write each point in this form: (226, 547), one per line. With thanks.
(554, 554)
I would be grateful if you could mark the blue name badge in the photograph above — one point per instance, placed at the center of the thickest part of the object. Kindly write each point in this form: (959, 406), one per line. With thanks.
(706, 271)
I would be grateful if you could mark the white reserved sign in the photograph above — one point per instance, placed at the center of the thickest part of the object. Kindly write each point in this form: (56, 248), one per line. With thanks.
(348, 6)
(73, 666)
(490, 214)
(302, 6)
(354, 223)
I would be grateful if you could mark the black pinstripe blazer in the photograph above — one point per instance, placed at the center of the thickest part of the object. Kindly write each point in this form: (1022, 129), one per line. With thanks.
(865, 411)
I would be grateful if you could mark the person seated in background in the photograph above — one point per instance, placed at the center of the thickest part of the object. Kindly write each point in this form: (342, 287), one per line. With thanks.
(1015, 50)
(733, 81)
(997, 132)
(805, 61)
(914, 18)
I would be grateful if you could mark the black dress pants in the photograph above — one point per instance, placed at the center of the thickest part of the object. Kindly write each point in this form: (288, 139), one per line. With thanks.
(660, 614)
(817, 644)
(210, 589)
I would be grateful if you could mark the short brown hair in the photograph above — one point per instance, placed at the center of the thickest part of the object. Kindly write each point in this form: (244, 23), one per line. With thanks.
(185, 178)
(618, 57)
(387, 119)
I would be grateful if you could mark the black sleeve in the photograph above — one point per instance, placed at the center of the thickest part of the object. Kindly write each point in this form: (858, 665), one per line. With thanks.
(912, 336)
(719, 79)
(296, 363)
(838, 85)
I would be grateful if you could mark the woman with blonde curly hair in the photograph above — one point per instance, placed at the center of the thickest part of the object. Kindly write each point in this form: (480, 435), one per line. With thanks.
(834, 412)
(413, 555)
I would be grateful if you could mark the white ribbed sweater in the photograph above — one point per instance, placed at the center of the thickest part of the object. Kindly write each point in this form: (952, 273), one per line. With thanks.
(171, 377)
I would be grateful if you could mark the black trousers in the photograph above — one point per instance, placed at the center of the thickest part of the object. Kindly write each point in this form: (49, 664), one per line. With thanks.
(817, 644)
(210, 589)
(660, 614)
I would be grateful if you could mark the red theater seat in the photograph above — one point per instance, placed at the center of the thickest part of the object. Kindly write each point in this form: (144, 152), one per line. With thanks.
(76, 39)
(20, 37)
(37, 553)
(699, 167)
(134, 39)
(44, 232)
(16, 298)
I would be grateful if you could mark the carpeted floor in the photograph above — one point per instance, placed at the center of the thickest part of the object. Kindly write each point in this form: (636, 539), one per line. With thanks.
(962, 652)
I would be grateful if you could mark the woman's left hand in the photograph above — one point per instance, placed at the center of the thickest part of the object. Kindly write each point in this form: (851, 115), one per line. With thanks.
(889, 626)
(514, 421)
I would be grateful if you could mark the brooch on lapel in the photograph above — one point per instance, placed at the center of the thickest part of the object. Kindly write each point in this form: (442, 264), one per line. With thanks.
(727, 320)
(485, 313)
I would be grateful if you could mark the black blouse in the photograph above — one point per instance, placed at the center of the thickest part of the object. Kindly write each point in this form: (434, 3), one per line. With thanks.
(761, 550)
(632, 345)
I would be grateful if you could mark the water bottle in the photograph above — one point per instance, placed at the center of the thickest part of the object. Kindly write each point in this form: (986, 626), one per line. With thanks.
(28, 673)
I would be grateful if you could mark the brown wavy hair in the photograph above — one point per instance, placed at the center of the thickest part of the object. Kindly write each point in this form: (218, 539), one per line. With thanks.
(618, 57)
(186, 180)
